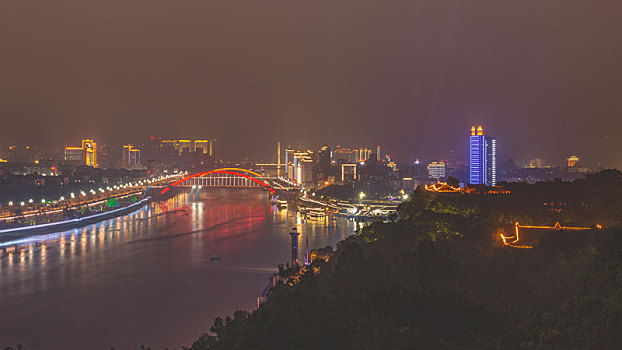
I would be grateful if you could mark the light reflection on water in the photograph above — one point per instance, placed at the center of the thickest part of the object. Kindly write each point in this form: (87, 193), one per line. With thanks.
(147, 277)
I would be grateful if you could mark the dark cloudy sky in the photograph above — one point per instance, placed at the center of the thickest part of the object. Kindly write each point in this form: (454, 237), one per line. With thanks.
(544, 77)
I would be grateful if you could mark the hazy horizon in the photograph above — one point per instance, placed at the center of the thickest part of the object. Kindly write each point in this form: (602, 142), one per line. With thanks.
(542, 77)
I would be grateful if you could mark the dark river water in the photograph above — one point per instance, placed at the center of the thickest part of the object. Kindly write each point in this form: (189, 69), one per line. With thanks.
(147, 278)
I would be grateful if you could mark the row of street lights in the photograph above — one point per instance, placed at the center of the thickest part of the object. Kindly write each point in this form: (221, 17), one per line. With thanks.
(72, 195)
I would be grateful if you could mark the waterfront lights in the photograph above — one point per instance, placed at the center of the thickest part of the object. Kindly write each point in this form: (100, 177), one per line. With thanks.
(30, 201)
(10, 203)
(82, 193)
(194, 187)
(362, 195)
(405, 196)
(61, 198)
(43, 201)
(22, 203)
(72, 195)
(200, 186)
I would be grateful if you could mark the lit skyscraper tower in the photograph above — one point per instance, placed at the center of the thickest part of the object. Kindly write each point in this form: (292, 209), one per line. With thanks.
(482, 158)
(90, 152)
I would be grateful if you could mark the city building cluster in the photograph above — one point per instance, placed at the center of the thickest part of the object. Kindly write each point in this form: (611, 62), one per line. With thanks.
(28, 170)
(331, 165)
(90, 160)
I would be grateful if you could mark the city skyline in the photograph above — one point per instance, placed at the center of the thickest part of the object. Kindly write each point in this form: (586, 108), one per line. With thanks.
(270, 151)
(524, 161)
(277, 174)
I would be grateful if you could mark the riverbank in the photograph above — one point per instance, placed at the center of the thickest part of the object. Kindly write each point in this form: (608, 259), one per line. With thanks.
(76, 222)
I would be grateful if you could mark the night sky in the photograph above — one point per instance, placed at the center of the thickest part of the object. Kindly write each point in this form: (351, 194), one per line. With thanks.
(544, 77)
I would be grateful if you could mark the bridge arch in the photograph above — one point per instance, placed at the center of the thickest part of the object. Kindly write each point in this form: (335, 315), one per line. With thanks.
(233, 172)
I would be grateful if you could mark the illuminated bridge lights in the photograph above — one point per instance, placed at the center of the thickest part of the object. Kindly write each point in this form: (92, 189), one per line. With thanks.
(234, 177)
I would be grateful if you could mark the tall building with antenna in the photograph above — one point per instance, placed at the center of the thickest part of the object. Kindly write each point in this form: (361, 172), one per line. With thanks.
(482, 158)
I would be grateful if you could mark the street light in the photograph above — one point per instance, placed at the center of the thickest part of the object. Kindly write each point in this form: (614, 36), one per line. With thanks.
(10, 203)
(43, 201)
(361, 195)
(30, 201)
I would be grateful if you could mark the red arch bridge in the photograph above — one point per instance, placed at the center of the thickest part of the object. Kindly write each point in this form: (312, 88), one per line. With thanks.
(226, 177)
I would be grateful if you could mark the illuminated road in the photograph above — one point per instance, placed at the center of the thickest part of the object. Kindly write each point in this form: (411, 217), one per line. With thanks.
(146, 278)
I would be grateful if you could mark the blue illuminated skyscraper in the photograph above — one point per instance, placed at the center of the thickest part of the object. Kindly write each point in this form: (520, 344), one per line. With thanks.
(482, 158)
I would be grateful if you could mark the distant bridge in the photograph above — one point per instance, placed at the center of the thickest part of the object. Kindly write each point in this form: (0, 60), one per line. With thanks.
(225, 177)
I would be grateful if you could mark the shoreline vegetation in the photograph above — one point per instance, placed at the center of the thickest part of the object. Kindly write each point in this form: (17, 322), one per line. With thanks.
(440, 277)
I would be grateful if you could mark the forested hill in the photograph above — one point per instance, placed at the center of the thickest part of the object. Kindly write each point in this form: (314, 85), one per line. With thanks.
(440, 278)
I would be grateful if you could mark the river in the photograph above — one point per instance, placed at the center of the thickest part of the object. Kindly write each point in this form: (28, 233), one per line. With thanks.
(147, 278)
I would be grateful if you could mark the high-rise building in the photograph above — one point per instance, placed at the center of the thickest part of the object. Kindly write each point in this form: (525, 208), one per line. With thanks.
(364, 154)
(135, 156)
(303, 167)
(289, 161)
(436, 170)
(126, 154)
(346, 155)
(324, 158)
(184, 146)
(482, 158)
(74, 155)
(90, 152)
(278, 159)
(131, 157)
(572, 161)
(348, 172)
(201, 146)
